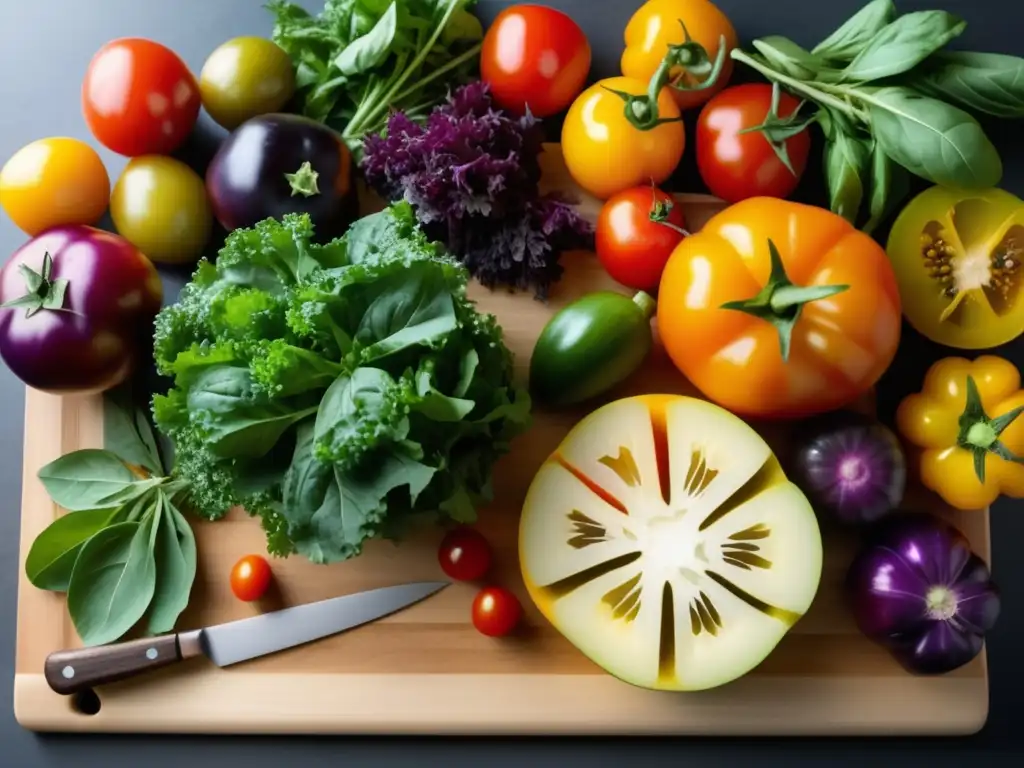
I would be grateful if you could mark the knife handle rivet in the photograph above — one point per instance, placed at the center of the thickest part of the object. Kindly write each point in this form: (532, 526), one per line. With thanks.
(151, 654)
(68, 672)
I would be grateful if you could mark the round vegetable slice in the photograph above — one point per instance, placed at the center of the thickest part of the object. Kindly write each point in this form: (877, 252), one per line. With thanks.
(663, 539)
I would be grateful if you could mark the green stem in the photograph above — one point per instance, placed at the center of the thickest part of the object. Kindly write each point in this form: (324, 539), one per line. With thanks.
(980, 435)
(646, 303)
(453, 64)
(812, 92)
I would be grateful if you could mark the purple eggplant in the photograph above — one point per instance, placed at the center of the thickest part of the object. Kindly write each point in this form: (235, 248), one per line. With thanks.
(918, 589)
(77, 307)
(280, 163)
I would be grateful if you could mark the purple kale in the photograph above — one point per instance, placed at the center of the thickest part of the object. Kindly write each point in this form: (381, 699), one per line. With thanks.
(471, 173)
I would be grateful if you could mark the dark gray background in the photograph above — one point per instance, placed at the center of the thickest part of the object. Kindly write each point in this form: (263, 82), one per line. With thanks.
(45, 46)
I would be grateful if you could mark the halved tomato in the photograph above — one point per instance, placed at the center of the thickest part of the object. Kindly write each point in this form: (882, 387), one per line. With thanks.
(957, 257)
(663, 539)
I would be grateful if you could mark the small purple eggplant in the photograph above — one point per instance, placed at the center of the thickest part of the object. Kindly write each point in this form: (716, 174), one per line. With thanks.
(77, 305)
(280, 163)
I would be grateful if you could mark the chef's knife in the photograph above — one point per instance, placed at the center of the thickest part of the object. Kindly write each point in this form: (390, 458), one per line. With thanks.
(71, 671)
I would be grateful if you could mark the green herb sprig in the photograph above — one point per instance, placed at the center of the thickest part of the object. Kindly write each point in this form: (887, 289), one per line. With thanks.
(891, 102)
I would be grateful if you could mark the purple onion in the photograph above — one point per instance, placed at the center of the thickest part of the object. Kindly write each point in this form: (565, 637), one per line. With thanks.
(918, 589)
(850, 466)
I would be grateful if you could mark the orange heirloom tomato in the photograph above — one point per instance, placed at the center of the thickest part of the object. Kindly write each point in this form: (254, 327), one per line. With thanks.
(964, 420)
(613, 140)
(657, 24)
(777, 309)
(54, 182)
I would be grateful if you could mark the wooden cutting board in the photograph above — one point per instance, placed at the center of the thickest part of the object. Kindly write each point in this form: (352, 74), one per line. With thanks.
(425, 669)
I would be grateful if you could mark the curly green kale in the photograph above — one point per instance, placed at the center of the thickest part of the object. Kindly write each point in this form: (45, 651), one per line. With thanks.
(335, 391)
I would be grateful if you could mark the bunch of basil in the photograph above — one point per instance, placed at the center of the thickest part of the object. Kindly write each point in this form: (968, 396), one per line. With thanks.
(123, 550)
(890, 100)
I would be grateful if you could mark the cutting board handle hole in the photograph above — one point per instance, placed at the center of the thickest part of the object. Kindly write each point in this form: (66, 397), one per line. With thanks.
(86, 702)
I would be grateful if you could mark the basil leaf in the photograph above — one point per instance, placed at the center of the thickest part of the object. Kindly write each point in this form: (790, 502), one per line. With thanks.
(83, 479)
(932, 139)
(175, 568)
(851, 37)
(788, 57)
(846, 169)
(890, 183)
(903, 44)
(992, 83)
(366, 52)
(53, 553)
(126, 432)
(436, 405)
(113, 581)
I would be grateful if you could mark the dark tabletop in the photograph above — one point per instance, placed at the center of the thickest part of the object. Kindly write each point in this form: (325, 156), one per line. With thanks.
(45, 46)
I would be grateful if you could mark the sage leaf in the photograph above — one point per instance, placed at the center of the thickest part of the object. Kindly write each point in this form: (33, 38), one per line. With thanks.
(992, 83)
(127, 433)
(890, 183)
(932, 139)
(112, 582)
(368, 51)
(903, 44)
(788, 57)
(175, 568)
(52, 556)
(851, 37)
(83, 479)
(846, 170)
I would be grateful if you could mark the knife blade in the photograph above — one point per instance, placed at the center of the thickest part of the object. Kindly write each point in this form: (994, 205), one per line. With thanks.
(71, 671)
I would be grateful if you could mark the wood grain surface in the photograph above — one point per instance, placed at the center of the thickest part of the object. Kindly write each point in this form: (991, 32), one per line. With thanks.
(425, 669)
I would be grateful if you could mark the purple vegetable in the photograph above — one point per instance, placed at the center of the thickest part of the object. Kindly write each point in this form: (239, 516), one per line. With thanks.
(850, 466)
(279, 163)
(471, 174)
(917, 589)
(78, 305)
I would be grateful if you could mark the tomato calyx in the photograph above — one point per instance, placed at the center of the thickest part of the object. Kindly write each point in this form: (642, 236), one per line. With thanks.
(43, 291)
(980, 435)
(303, 181)
(776, 130)
(660, 211)
(780, 301)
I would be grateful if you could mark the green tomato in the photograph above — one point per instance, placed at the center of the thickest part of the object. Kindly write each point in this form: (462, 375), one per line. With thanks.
(589, 346)
(159, 204)
(246, 77)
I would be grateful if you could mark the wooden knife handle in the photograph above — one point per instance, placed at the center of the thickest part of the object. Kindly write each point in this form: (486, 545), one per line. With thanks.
(68, 672)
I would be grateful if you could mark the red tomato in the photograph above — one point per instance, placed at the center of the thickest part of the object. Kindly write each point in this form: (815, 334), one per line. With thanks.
(139, 98)
(464, 554)
(250, 578)
(633, 247)
(737, 165)
(496, 611)
(536, 56)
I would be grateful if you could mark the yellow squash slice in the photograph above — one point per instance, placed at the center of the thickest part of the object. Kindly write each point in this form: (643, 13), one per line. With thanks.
(663, 539)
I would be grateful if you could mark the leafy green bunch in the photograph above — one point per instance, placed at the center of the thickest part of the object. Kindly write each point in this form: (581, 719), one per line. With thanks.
(360, 59)
(891, 101)
(123, 551)
(338, 391)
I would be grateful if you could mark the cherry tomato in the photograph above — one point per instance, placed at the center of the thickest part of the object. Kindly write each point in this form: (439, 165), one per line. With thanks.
(633, 245)
(139, 98)
(54, 182)
(464, 554)
(250, 578)
(534, 56)
(737, 165)
(496, 611)
(245, 77)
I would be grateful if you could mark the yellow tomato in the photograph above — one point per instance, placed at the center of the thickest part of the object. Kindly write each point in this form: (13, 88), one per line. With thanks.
(606, 153)
(656, 25)
(52, 182)
(246, 77)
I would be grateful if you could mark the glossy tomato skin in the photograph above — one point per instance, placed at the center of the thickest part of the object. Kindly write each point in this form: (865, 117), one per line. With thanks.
(245, 77)
(113, 293)
(464, 554)
(736, 165)
(841, 345)
(632, 247)
(250, 578)
(605, 153)
(53, 182)
(534, 56)
(159, 204)
(496, 611)
(139, 97)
